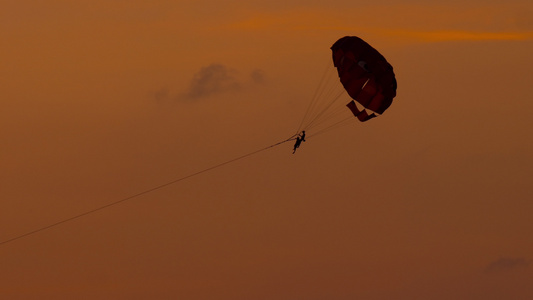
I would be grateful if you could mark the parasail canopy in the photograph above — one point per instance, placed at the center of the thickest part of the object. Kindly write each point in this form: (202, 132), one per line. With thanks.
(366, 76)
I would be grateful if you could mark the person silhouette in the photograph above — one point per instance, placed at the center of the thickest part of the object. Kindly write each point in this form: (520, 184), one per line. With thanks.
(299, 139)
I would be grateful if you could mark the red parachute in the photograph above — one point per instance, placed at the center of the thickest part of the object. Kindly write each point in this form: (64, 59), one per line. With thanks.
(366, 76)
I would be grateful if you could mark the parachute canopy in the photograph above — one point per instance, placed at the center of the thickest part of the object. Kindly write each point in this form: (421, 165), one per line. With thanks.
(366, 76)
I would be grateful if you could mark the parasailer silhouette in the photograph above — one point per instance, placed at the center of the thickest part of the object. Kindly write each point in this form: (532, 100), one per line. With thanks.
(299, 139)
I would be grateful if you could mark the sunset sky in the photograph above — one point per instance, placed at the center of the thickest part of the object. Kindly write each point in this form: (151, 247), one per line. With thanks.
(102, 100)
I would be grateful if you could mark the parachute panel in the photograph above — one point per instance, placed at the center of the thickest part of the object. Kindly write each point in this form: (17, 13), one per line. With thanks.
(367, 92)
(377, 102)
(362, 115)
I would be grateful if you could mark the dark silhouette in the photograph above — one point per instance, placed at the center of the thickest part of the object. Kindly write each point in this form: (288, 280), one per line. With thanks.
(373, 65)
(299, 139)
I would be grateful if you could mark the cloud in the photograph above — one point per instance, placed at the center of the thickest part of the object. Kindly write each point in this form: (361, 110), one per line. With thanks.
(161, 94)
(257, 76)
(440, 22)
(218, 79)
(506, 264)
(213, 79)
(458, 35)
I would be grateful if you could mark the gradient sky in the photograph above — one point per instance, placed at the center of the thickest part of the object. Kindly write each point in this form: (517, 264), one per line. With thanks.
(105, 99)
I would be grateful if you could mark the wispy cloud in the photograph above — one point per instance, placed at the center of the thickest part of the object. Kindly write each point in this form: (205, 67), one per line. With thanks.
(506, 264)
(257, 76)
(161, 94)
(457, 35)
(213, 80)
(403, 21)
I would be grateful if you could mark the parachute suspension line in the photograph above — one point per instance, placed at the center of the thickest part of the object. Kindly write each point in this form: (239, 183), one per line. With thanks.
(346, 121)
(327, 118)
(321, 116)
(324, 108)
(316, 96)
(327, 94)
(330, 93)
(66, 220)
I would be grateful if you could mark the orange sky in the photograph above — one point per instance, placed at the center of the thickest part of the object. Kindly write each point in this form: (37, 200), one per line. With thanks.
(103, 100)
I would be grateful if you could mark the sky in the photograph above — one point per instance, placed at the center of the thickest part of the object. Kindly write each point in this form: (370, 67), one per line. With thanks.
(102, 100)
